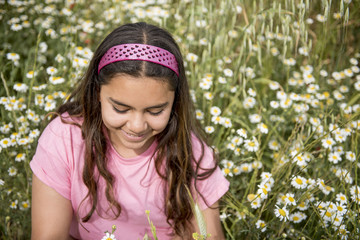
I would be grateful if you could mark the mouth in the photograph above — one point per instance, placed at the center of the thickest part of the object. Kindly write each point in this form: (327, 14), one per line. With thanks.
(133, 137)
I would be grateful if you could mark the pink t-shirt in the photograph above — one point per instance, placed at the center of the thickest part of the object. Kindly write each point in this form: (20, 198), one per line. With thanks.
(58, 162)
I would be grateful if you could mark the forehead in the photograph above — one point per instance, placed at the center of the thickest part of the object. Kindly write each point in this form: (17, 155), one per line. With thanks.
(140, 91)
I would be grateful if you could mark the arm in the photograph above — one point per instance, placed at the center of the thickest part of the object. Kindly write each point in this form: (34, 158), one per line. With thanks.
(213, 224)
(51, 213)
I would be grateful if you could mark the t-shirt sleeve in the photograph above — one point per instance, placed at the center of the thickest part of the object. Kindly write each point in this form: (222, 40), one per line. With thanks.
(52, 160)
(213, 187)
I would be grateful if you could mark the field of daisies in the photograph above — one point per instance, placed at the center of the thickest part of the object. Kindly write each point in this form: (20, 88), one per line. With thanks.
(276, 86)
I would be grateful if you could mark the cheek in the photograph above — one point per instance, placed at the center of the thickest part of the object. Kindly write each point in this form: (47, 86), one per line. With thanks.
(110, 118)
(159, 123)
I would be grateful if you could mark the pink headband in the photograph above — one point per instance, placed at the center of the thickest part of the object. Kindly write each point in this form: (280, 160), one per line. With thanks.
(141, 52)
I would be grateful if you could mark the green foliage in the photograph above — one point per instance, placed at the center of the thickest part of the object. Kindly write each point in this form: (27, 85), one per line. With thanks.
(276, 86)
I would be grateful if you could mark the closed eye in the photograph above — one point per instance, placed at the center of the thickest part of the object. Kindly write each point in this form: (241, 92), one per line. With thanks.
(156, 113)
(120, 111)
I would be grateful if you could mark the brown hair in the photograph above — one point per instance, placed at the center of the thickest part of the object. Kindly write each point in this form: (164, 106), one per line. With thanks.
(174, 147)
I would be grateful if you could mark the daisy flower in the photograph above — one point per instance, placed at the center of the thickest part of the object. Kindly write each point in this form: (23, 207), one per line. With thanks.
(31, 74)
(328, 142)
(265, 176)
(209, 129)
(334, 157)
(320, 18)
(205, 85)
(215, 111)
(208, 95)
(340, 208)
(296, 217)
(237, 140)
(260, 224)
(274, 145)
(303, 205)
(323, 187)
(246, 167)
(13, 57)
(20, 87)
(254, 118)
(249, 102)
(281, 95)
(242, 132)
(199, 114)
(274, 85)
(274, 104)
(216, 119)
(51, 70)
(222, 80)
(340, 197)
(109, 236)
(12, 171)
(228, 72)
(251, 92)
(308, 78)
(263, 191)
(25, 205)
(263, 128)
(323, 73)
(300, 160)
(350, 156)
(255, 202)
(290, 61)
(13, 204)
(5, 142)
(236, 170)
(290, 199)
(281, 213)
(191, 57)
(227, 172)
(355, 193)
(240, 215)
(299, 182)
(251, 145)
(51, 105)
(286, 103)
(20, 157)
(326, 214)
(227, 163)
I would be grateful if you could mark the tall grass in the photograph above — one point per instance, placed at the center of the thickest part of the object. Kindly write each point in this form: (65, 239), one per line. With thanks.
(276, 86)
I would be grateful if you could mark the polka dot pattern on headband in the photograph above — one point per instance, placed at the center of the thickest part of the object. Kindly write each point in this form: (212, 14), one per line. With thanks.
(140, 52)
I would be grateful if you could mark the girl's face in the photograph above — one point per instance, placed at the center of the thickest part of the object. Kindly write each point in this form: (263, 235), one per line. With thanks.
(134, 110)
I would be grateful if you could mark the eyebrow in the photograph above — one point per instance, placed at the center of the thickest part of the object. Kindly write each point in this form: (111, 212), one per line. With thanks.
(161, 105)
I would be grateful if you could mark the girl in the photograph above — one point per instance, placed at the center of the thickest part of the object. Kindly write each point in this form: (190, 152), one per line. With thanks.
(126, 142)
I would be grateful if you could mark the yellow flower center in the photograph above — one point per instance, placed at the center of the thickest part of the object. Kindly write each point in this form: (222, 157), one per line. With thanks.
(299, 181)
(251, 197)
(282, 212)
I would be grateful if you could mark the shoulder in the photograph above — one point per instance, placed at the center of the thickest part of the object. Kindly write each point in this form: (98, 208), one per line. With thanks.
(63, 127)
(202, 151)
(198, 144)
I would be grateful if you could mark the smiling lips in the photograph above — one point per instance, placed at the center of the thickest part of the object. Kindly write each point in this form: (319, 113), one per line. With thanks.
(133, 137)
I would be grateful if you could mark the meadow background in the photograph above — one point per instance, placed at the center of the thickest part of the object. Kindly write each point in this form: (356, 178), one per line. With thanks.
(276, 86)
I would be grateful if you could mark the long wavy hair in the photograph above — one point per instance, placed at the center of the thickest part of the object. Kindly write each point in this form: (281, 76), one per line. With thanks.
(174, 159)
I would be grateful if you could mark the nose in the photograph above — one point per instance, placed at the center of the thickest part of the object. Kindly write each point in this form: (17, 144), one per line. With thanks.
(137, 123)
